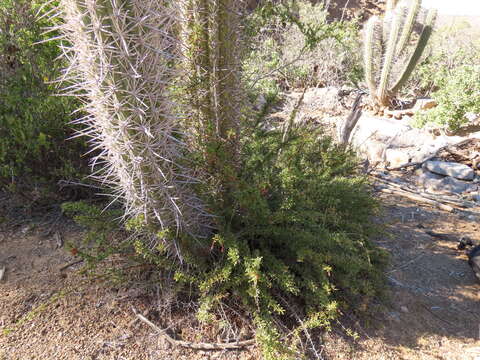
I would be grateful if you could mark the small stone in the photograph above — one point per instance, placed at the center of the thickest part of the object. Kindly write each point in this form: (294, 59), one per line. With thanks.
(450, 184)
(475, 197)
(394, 316)
(404, 309)
(456, 170)
(424, 104)
(396, 157)
(375, 152)
(427, 180)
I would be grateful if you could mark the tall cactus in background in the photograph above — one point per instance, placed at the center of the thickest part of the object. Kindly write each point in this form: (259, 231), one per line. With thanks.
(121, 57)
(392, 49)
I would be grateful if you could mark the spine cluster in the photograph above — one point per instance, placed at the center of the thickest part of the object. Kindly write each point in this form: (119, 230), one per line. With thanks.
(123, 56)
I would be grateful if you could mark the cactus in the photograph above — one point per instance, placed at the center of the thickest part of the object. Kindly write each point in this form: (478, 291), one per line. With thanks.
(391, 5)
(121, 58)
(212, 64)
(386, 48)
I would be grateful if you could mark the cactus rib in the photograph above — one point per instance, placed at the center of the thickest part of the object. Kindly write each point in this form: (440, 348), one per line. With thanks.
(120, 65)
(419, 49)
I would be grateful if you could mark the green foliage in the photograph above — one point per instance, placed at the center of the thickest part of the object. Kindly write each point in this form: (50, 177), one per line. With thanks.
(451, 76)
(296, 235)
(103, 229)
(297, 232)
(458, 94)
(294, 46)
(34, 124)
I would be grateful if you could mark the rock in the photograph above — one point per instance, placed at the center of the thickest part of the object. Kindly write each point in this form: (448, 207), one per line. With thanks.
(398, 114)
(376, 128)
(394, 316)
(411, 138)
(475, 197)
(427, 179)
(424, 104)
(404, 309)
(453, 185)
(395, 158)
(456, 170)
(439, 184)
(375, 152)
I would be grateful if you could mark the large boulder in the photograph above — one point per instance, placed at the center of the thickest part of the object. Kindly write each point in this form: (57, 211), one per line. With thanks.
(456, 170)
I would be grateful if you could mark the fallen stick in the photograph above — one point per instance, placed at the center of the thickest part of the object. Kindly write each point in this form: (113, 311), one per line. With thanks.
(2, 273)
(419, 198)
(196, 346)
(459, 203)
(66, 266)
(403, 166)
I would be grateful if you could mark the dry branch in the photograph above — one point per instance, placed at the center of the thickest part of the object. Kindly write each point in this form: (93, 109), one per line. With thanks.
(196, 346)
(442, 199)
(346, 128)
(419, 198)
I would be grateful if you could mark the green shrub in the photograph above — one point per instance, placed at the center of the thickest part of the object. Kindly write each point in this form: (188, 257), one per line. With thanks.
(34, 124)
(458, 94)
(299, 230)
(451, 76)
(294, 46)
(297, 233)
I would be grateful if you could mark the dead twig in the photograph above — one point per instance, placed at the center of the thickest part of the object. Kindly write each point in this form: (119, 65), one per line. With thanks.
(448, 199)
(419, 198)
(345, 129)
(458, 203)
(407, 264)
(410, 164)
(70, 264)
(196, 346)
(58, 239)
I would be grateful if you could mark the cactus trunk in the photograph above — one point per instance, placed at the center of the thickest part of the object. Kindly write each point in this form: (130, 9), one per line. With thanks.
(120, 64)
(210, 33)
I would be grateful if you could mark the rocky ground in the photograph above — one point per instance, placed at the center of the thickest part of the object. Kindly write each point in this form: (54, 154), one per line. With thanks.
(433, 312)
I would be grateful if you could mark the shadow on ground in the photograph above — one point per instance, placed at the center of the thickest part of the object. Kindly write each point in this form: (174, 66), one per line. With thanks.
(434, 310)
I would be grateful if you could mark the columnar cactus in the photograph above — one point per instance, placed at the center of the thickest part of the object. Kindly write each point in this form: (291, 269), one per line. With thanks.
(392, 49)
(212, 62)
(121, 57)
(391, 5)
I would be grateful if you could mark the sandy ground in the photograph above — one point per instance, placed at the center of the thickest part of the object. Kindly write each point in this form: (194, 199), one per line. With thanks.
(434, 311)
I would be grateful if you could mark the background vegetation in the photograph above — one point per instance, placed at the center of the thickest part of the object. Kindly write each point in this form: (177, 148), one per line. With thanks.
(451, 76)
(34, 123)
